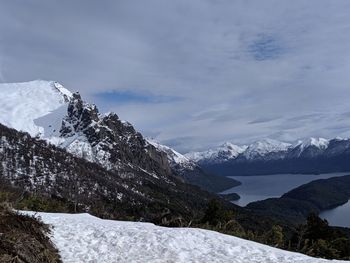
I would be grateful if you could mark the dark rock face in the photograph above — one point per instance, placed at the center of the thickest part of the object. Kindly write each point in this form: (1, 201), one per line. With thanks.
(109, 141)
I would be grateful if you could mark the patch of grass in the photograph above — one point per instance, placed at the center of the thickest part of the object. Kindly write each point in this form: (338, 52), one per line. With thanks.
(24, 239)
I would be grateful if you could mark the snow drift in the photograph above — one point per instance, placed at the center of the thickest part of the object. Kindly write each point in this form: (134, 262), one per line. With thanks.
(84, 238)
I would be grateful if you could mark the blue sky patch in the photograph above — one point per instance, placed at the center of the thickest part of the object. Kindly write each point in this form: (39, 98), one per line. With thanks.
(126, 97)
(265, 48)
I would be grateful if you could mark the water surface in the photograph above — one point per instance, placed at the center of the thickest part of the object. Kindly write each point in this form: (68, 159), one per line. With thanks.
(339, 216)
(255, 188)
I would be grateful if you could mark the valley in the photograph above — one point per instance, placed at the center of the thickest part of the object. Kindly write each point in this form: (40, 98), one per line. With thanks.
(67, 157)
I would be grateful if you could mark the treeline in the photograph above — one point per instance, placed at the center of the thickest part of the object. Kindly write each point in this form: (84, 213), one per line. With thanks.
(314, 237)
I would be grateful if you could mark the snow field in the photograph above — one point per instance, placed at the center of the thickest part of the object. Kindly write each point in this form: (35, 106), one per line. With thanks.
(84, 238)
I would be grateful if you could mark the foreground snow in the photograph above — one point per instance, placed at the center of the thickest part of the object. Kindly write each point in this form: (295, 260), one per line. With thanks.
(84, 238)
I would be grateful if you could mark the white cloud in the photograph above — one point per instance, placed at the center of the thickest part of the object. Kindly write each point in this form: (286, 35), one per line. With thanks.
(246, 69)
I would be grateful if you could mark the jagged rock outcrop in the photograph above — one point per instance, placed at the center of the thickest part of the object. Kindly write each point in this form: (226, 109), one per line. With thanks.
(107, 140)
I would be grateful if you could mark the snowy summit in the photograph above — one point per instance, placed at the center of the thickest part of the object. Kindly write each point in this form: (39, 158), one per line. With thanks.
(224, 152)
(23, 104)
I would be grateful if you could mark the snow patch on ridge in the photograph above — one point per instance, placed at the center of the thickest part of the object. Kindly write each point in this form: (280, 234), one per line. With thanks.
(264, 147)
(320, 143)
(222, 153)
(23, 103)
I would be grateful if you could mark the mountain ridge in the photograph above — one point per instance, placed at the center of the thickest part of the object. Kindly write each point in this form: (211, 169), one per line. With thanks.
(313, 155)
(67, 121)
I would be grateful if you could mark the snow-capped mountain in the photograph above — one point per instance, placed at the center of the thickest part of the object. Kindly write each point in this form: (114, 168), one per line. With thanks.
(265, 148)
(310, 147)
(191, 172)
(229, 151)
(48, 111)
(320, 143)
(45, 109)
(222, 153)
(35, 167)
(312, 155)
(260, 150)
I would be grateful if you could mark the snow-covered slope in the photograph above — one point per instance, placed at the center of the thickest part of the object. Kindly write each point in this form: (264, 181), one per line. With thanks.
(23, 104)
(309, 147)
(320, 143)
(222, 153)
(265, 147)
(84, 238)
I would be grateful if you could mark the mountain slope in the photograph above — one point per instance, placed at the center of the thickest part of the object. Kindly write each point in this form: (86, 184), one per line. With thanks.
(47, 110)
(192, 173)
(83, 237)
(35, 167)
(65, 120)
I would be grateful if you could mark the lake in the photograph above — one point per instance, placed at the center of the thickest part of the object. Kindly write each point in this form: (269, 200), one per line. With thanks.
(339, 216)
(255, 188)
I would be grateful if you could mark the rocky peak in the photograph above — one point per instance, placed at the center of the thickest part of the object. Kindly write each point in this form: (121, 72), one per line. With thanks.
(107, 140)
(80, 116)
(48, 110)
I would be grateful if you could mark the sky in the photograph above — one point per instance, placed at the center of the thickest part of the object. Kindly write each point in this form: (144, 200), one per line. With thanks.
(192, 74)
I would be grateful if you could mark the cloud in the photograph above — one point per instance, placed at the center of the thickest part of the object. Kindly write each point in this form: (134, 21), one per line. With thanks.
(263, 120)
(204, 70)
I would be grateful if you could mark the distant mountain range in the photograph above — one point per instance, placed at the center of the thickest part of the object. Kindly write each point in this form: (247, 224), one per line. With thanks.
(314, 155)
